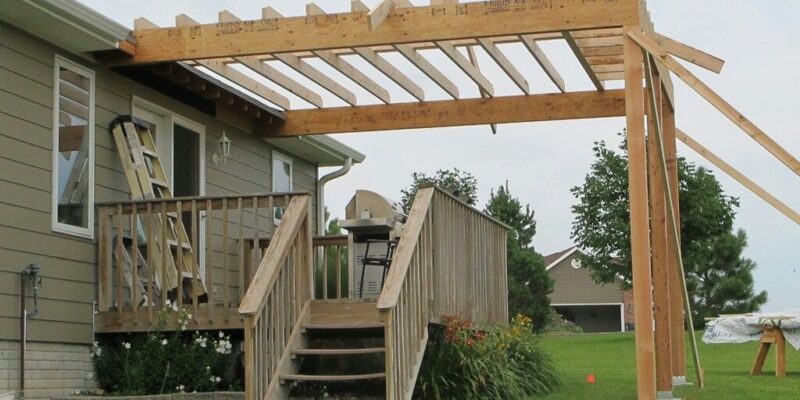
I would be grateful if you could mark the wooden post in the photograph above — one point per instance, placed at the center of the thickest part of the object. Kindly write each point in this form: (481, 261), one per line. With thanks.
(658, 240)
(677, 334)
(640, 239)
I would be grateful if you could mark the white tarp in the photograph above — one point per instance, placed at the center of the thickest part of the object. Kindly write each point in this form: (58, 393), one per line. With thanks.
(748, 328)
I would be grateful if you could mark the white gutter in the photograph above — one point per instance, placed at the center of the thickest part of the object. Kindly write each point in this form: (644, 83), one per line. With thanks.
(321, 192)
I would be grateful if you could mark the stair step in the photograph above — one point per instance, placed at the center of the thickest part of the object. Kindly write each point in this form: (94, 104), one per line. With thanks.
(332, 378)
(160, 183)
(338, 352)
(344, 326)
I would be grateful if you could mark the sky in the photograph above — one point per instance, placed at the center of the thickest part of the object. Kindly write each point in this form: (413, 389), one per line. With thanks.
(542, 161)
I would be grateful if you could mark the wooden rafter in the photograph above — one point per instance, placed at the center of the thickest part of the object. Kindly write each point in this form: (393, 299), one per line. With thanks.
(738, 176)
(505, 109)
(652, 47)
(463, 63)
(268, 72)
(505, 64)
(347, 69)
(305, 69)
(576, 49)
(474, 60)
(237, 76)
(381, 11)
(690, 54)
(419, 61)
(544, 62)
(348, 30)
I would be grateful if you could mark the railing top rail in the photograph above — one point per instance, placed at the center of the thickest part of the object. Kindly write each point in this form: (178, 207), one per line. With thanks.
(274, 257)
(199, 198)
(471, 208)
(405, 249)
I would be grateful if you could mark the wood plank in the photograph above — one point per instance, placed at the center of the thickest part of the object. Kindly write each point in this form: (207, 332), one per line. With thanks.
(271, 73)
(690, 54)
(544, 61)
(347, 30)
(422, 63)
(348, 70)
(505, 64)
(471, 70)
(473, 59)
(332, 378)
(640, 239)
(717, 101)
(539, 107)
(582, 60)
(305, 69)
(381, 11)
(738, 176)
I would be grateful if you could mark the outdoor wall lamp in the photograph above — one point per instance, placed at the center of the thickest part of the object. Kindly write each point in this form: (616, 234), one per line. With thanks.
(224, 149)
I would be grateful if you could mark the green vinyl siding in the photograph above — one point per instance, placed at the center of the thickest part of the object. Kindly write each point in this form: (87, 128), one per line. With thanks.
(68, 263)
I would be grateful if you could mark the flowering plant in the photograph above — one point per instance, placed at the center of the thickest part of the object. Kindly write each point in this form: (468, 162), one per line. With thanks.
(158, 361)
(502, 362)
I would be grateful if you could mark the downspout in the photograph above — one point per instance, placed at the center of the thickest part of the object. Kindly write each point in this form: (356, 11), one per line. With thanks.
(30, 273)
(321, 192)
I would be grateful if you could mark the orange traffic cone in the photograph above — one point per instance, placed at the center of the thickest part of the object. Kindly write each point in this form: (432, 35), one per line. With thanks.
(591, 379)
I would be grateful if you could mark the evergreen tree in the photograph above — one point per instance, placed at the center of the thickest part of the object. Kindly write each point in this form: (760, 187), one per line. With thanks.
(529, 284)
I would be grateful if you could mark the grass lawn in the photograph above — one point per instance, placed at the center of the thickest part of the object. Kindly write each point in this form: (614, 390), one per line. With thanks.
(611, 357)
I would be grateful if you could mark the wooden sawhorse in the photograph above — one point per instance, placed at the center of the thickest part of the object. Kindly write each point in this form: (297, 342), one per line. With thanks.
(768, 337)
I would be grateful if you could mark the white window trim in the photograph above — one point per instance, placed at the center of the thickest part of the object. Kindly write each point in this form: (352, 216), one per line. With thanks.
(284, 158)
(88, 232)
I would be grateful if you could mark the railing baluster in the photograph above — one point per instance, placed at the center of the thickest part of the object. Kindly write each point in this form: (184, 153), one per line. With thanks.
(134, 261)
(150, 267)
(120, 248)
(241, 273)
(225, 271)
(179, 252)
(105, 257)
(209, 264)
(195, 256)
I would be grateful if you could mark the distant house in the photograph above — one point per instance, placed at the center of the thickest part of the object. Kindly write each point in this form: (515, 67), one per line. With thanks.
(578, 298)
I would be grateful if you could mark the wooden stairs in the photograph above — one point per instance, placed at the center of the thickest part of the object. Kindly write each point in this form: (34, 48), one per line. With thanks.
(339, 344)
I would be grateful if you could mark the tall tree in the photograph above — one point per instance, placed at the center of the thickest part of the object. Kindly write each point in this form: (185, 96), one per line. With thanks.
(460, 183)
(602, 229)
(529, 284)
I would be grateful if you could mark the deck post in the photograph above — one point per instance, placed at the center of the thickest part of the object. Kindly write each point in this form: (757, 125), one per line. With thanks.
(640, 238)
(658, 239)
(675, 294)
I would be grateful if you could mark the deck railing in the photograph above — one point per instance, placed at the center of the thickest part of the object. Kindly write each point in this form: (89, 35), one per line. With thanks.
(215, 265)
(450, 261)
(278, 297)
(330, 265)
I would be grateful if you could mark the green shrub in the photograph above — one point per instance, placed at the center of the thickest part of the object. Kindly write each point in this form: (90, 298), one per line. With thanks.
(499, 363)
(165, 362)
(557, 323)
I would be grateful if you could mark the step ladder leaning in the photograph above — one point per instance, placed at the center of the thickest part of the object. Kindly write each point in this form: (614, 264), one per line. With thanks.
(147, 180)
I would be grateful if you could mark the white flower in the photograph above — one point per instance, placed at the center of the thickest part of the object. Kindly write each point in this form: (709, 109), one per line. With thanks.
(163, 342)
(221, 334)
(217, 379)
(126, 345)
(180, 387)
(188, 316)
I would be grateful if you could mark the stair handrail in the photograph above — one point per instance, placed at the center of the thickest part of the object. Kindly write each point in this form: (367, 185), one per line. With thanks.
(277, 300)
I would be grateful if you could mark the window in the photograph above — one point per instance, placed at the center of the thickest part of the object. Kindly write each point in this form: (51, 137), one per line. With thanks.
(281, 179)
(73, 149)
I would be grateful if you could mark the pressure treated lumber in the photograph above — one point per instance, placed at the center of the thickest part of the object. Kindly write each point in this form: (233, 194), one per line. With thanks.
(676, 291)
(674, 232)
(640, 220)
(509, 109)
(658, 242)
(738, 176)
(347, 30)
(716, 100)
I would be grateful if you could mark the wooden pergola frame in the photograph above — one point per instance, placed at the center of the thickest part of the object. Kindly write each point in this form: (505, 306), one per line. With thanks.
(614, 40)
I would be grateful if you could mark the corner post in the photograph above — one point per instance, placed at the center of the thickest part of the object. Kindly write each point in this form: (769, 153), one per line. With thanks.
(640, 218)
(677, 318)
(658, 240)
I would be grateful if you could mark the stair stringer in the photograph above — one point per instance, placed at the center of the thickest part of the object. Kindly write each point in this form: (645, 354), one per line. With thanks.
(288, 364)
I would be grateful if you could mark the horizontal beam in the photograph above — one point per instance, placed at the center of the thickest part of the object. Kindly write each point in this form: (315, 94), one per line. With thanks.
(403, 25)
(738, 176)
(431, 114)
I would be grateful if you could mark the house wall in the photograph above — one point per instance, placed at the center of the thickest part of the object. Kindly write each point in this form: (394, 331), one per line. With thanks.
(68, 263)
(575, 286)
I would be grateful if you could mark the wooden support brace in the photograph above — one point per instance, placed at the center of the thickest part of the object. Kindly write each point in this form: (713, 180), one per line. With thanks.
(738, 176)
(474, 60)
(652, 47)
(690, 54)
